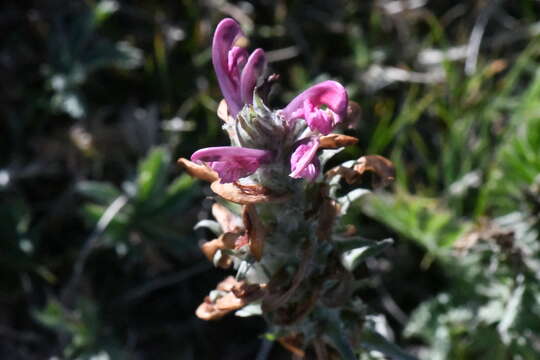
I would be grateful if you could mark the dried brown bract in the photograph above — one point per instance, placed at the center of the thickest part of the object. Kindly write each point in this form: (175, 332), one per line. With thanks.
(349, 175)
(224, 241)
(202, 172)
(334, 141)
(380, 165)
(293, 343)
(245, 194)
(255, 230)
(229, 221)
(277, 295)
(327, 215)
(235, 295)
(353, 115)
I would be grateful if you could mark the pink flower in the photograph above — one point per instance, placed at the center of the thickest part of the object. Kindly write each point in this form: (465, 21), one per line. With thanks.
(304, 161)
(330, 94)
(237, 73)
(232, 162)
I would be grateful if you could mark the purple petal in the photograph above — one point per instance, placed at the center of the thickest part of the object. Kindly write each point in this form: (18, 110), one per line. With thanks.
(250, 74)
(330, 94)
(304, 162)
(226, 58)
(231, 162)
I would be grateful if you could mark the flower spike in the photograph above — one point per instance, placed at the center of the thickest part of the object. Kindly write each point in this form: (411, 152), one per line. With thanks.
(307, 106)
(237, 73)
(252, 71)
(231, 162)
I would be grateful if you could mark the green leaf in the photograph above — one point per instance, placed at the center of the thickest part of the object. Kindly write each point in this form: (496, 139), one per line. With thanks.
(372, 340)
(354, 257)
(152, 175)
(101, 192)
(346, 200)
(340, 342)
(211, 225)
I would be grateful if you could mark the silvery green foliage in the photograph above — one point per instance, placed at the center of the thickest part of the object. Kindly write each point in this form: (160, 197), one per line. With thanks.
(308, 261)
(494, 307)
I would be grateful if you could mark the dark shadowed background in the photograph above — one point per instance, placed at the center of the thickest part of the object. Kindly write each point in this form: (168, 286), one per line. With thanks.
(98, 256)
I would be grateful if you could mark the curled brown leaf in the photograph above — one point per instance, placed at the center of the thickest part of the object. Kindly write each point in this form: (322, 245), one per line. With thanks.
(224, 241)
(202, 172)
(230, 302)
(208, 311)
(293, 313)
(277, 296)
(293, 343)
(320, 349)
(234, 295)
(353, 115)
(227, 284)
(255, 230)
(349, 175)
(245, 194)
(327, 216)
(334, 141)
(380, 165)
(229, 221)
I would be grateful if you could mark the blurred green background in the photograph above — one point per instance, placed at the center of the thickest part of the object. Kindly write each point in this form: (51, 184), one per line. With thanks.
(98, 256)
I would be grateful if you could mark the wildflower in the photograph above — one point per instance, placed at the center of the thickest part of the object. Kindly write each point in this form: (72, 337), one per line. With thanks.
(304, 162)
(308, 106)
(236, 72)
(232, 162)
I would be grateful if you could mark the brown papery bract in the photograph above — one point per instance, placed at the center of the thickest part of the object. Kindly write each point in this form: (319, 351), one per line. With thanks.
(255, 230)
(334, 141)
(380, 165)
(202, 172)
(245, 194)
(229, 221)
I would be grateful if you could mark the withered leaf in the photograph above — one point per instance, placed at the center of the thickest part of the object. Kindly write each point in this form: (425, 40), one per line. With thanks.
(230, 302)
(249, 292)
(353, 115)
(229, 221)
(348, 174)
(224, 241)
(227, 284)
(245, 194)
(275, 298)
(295, 312)
(199, 171)
(334, 141)
(341, 292)
(293, 343)
(208, 311)
(380, 165)
(327, 215)
(320, 349)
(255, 230)
(237, 295)
(210, 248)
